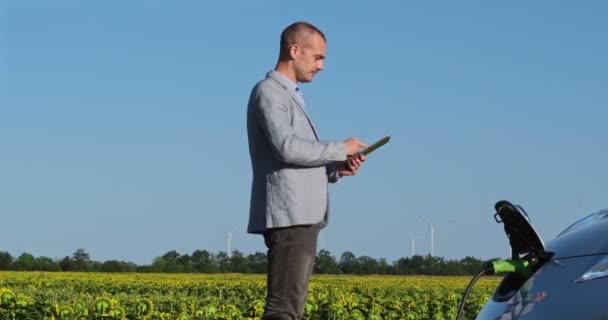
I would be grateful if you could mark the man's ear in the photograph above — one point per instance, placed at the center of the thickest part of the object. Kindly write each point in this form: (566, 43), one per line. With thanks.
(293, 51)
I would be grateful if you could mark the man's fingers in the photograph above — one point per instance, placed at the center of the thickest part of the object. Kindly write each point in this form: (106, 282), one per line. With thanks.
(359, 158)
(359, 143)
(353, 145)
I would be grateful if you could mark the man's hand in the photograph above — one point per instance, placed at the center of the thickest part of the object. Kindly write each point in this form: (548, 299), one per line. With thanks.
(353, 145)
(351, 166)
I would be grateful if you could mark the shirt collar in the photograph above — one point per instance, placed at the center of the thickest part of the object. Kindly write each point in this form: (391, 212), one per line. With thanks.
(284, 81)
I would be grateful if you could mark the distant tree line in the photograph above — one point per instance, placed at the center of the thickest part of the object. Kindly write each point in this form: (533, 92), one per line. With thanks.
(203, 261)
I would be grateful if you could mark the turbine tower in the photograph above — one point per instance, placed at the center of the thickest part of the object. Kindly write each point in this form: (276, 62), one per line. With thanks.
(229, 236)
(414, 244)
(431, 229)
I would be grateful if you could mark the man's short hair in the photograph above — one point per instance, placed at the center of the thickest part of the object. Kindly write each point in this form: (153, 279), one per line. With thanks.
(295, 33)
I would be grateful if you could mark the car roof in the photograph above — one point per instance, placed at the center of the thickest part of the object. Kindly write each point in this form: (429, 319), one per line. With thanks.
(594, 218)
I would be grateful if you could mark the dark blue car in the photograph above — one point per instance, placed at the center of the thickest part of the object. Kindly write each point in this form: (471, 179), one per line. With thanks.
(568, 275)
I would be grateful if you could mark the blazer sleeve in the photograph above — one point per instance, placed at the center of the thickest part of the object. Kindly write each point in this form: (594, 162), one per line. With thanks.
(273, 117)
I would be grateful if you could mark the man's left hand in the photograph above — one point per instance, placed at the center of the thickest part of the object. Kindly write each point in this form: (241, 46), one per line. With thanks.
(351, 166)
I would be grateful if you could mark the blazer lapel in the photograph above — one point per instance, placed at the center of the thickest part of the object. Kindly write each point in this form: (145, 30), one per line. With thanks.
(303, 108)
(297, 101)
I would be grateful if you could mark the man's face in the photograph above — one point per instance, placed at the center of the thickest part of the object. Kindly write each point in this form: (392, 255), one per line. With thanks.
(309, 57)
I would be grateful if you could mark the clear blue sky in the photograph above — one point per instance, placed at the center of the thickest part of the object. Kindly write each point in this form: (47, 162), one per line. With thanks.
(122, 123)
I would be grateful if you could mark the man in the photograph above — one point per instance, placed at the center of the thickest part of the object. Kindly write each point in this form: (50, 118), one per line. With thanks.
(291, 170)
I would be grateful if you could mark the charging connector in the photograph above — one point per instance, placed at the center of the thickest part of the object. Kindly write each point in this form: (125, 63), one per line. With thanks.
(521, 267)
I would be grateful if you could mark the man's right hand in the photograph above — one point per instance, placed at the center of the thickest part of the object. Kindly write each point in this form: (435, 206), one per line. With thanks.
(353, 145)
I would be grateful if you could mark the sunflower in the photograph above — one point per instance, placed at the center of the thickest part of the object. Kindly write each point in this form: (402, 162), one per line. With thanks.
(65, 311)
(145, 307)
(81, 307)
(7, 297)
(103, 306)
(118, 312)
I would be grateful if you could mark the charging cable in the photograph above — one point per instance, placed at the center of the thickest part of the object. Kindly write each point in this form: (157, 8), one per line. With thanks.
(519, 266)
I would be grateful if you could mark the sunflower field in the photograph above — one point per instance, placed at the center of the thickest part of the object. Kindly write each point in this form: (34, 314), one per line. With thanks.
(44, 295)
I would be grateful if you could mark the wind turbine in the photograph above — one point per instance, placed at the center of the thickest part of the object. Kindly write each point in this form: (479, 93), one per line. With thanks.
(432, 229)
(229, 238)
(414, 244)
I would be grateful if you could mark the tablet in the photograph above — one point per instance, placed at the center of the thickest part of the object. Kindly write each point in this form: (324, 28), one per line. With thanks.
(374, 146)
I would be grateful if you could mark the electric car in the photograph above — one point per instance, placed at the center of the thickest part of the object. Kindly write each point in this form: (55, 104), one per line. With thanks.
(566, 278)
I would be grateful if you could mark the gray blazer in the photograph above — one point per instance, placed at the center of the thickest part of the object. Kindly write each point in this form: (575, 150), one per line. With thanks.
(291, 167)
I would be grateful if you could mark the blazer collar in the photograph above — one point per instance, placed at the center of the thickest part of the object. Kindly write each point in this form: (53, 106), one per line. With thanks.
(290, 87)
(283, 80)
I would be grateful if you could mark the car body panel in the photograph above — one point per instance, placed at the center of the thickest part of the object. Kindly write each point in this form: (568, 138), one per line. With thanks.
(585, 237)
(551, 293)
